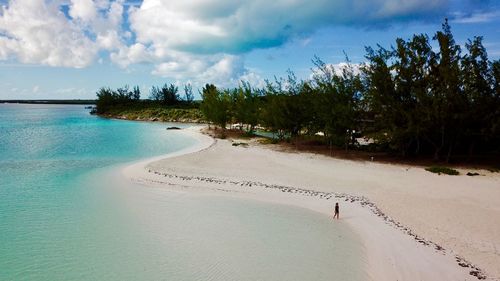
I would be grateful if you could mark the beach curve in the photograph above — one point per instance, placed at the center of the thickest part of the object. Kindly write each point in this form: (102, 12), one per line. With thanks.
(393, 250)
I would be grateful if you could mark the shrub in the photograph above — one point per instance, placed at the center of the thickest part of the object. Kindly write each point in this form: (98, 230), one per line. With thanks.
(269, 141)
(444, 170)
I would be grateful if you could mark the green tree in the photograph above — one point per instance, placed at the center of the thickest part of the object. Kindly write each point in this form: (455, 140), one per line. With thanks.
(105, 100)
(215, 105)
(479, 93)
(166, 95)
(338, 96)
(495, 121)
(412, 61)
(136, 93)
(448, 100)
(246, 105)
(379, 95)
(209, 99)
(188, 93)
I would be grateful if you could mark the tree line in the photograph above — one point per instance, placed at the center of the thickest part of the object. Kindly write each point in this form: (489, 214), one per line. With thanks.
(411, 99)
(166, 95)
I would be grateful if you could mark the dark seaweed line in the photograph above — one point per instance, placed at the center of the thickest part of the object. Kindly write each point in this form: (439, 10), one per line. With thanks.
(363, 201)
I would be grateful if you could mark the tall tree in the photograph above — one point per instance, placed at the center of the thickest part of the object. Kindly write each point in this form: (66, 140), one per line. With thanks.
(188, 93)
(495, 122)
(412, 61)
(136, 93)
(380, 95)
(338, 93)
(215, 105)
(448, 100)
(479, 93)
(209, 99)
(166, 95)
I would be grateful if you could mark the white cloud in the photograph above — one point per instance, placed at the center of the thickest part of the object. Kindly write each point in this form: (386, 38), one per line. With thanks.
(213, 26)
(102, 19)
(221, 70)
(198, 40)
(136, 53)
(201, 39)
(38, 32)
(335, 69)
(476, 17)
(84, 10)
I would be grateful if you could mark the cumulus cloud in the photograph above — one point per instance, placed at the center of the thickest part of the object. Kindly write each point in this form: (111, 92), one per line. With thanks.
(213, 26)
(182, 40)
(202, 39)
(84, 10)
(221, 70)
(39, 32)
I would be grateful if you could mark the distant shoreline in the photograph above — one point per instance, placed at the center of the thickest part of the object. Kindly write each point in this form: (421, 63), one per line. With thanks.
(51, 101)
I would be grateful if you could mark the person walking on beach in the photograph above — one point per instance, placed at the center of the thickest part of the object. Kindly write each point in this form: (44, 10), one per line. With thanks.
(336, 214)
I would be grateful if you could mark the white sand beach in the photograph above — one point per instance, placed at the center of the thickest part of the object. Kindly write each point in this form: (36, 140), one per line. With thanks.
(414, 225)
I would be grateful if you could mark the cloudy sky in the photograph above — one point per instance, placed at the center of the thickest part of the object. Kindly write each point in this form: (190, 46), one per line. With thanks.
(64, 49)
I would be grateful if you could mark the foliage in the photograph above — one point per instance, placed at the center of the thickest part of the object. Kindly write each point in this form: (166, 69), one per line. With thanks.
(188, 93)
(166, 95)
(442, 170)
(107, 98)
(153, 112)
(411, 100)
(216, 105)
(427, 102)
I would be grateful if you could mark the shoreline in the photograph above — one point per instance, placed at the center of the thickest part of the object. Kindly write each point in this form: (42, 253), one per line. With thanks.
(358, 155)
(394, 251)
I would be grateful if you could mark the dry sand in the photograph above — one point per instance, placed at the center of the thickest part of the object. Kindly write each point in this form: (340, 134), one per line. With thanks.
(414, 225)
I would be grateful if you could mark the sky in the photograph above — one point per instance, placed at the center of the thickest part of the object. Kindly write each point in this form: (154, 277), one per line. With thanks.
(68, 49)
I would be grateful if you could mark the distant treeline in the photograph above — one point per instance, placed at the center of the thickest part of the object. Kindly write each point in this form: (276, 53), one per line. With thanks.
(126, 97)
(410, 99)
(50, 101)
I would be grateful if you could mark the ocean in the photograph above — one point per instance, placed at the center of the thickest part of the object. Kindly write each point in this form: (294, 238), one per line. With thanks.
(67, 213)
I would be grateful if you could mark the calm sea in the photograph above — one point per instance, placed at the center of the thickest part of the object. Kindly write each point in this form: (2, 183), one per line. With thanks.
(66, 213)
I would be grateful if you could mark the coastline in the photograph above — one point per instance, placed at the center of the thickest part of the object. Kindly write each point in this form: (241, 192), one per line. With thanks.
(393, 250)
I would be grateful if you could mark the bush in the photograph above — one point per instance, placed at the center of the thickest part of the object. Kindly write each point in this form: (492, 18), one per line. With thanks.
(444, 170)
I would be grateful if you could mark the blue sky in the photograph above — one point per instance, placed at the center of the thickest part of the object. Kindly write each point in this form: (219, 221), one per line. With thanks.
(62, 49)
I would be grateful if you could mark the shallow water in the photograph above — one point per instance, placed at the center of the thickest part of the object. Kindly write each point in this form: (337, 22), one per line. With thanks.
(67, 214)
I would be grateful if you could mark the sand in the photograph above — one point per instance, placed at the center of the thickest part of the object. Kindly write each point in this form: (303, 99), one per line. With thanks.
(414, 225)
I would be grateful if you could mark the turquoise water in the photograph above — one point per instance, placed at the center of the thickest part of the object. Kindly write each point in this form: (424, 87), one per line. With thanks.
(66, 213)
